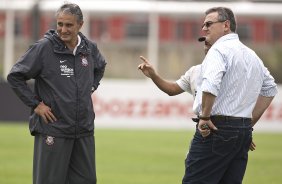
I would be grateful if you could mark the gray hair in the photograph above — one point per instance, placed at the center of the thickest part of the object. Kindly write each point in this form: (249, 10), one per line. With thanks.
(73, 9)
(224, 14)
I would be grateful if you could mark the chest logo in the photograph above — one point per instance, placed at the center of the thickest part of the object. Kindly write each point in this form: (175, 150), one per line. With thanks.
(66, 71)
(84, 61)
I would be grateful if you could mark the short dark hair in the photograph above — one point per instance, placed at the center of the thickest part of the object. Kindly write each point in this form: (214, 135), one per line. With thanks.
(73, 9)
(224, 14)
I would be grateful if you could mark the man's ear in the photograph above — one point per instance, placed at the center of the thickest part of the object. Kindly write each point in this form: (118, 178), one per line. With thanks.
(227, 26)
(81, 24)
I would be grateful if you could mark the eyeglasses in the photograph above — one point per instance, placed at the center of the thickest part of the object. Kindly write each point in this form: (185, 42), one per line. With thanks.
(209, 23)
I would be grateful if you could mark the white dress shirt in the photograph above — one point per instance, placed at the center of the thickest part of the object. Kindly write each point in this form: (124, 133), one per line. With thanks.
(188, 81)
(236, 76)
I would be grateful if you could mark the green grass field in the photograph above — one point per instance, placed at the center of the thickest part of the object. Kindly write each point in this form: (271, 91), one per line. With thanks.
(136, 156)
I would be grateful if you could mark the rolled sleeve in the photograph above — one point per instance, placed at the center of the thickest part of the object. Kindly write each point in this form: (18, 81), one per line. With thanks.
(269, 90)
(269, 87)
(214, 68)
(184, 81)
(182, 85)
(209, 87)
(270, 93)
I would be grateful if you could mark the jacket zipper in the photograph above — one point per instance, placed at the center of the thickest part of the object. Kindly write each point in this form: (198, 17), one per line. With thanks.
(77, 99)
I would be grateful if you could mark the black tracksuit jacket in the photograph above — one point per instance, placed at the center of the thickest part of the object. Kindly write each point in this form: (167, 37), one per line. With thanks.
(63, 81)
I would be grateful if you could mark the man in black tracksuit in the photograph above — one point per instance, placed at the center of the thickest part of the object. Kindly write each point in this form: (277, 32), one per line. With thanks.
(67, 68)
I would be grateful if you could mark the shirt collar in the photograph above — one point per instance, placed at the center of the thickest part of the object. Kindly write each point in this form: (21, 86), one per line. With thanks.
(230, 36)
(78, 43)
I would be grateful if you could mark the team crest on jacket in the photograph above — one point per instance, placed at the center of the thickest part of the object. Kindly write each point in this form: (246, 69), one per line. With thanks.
(84, 61)
(50, 140)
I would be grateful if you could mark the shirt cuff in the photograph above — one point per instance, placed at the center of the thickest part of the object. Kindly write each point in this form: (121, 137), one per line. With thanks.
(208, 87)
(269, 93)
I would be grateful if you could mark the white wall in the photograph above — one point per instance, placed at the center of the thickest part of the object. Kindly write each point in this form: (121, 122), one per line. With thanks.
(140, 104)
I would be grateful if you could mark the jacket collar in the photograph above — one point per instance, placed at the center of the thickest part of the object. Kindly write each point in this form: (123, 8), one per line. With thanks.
(60, 47)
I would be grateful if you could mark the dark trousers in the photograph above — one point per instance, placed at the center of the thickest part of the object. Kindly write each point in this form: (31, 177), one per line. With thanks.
(64, 161)
(220, 158)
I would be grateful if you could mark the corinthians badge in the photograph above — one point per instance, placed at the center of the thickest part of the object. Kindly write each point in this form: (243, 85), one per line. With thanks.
(84, 61)
(50, 140)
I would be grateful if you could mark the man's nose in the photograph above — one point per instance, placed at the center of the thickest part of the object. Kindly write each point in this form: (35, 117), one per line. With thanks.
(64, 29)
(204, 28)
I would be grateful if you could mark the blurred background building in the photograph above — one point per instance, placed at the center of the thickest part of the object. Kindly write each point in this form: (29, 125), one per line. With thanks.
(164, 31)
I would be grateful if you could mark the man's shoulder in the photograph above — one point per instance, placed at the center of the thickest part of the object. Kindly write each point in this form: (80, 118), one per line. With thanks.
(192, 71)
(43, 41)
(40, 44)
(89, 42)
(195, 68)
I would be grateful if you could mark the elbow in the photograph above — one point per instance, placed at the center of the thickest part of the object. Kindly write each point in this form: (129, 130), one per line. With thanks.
(170, 93)
(173, 91)
(12, 78)
(9, 77)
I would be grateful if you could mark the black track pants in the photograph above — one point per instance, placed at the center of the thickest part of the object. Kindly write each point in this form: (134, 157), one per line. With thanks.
(64, 160)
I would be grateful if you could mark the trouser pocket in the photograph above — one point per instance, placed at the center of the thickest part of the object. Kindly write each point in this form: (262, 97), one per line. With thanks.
(224, 141)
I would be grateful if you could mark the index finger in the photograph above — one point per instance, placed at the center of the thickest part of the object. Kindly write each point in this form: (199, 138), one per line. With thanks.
(144, 59)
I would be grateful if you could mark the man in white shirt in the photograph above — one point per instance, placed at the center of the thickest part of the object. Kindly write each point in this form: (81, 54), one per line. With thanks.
(234, 89)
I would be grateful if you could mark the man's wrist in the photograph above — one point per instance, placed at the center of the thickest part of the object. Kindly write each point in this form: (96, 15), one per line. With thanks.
(206, 118)
(35, 104)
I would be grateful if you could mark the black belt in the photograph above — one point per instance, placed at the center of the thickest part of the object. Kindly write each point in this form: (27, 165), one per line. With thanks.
(223, 118)
(228, 118)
